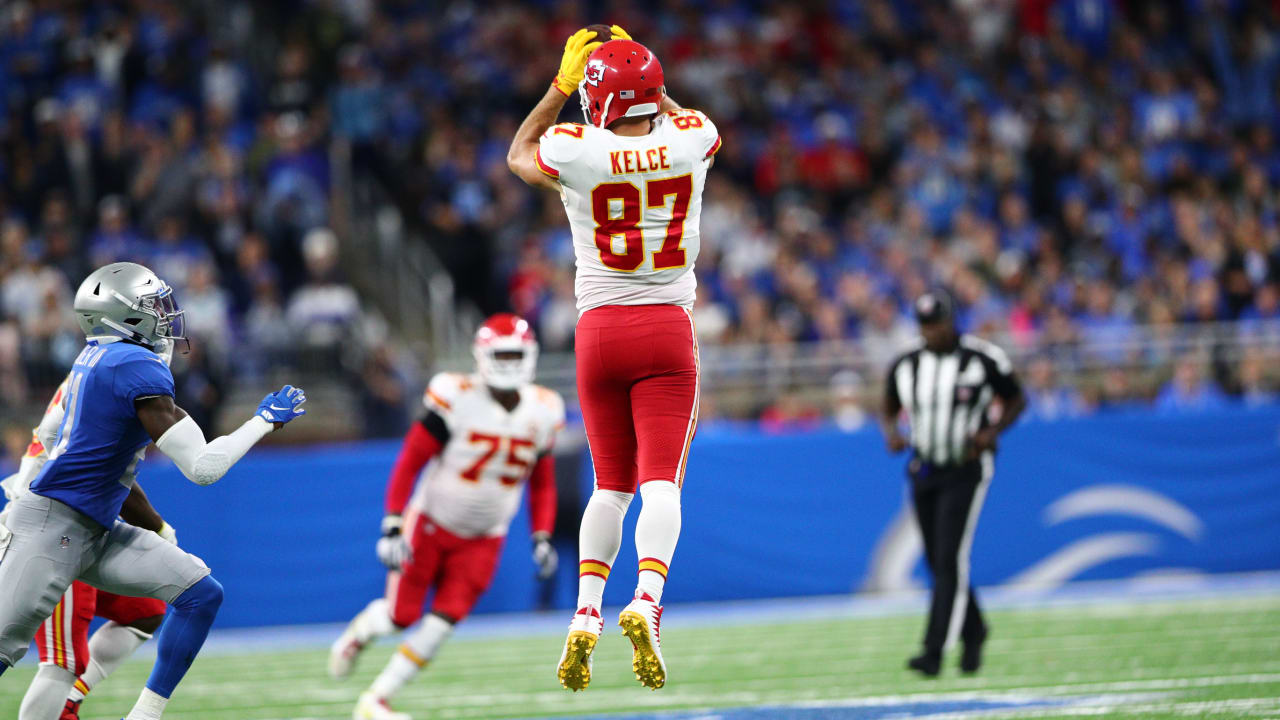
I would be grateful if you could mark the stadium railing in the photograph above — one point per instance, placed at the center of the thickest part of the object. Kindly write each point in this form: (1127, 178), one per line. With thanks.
(740, 379)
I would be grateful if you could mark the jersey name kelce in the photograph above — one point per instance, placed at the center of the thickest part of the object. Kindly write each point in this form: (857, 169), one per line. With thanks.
(634, 205)
(473, 487)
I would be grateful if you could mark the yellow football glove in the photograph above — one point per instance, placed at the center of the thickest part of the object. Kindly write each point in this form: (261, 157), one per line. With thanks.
(618, 33)
(576, 50)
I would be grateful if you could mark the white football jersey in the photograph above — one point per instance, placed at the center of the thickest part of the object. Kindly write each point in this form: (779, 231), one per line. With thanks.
(43, 438)
(634, 204)
(37, 454)
(473, 487)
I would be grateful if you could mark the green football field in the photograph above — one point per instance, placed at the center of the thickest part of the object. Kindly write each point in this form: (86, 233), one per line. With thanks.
(1205, 657)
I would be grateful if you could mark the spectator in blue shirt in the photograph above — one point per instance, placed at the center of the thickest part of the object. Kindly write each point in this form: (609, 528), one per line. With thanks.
(1190, 389)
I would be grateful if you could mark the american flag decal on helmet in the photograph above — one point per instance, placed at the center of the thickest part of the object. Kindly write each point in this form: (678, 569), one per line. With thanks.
(626, 94)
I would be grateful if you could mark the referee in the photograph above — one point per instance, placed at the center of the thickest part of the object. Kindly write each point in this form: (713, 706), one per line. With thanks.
(946, 387)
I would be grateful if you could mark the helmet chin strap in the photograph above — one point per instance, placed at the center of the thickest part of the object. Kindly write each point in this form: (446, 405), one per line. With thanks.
(605, 112)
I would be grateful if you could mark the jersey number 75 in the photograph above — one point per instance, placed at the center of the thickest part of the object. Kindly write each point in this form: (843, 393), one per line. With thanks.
(627, 224)
(517, 461)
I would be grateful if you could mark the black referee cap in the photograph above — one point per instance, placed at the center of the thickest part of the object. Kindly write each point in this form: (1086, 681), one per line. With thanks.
(934, 306)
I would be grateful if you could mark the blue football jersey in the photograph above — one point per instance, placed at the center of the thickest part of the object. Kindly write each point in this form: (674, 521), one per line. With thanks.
(101, 435)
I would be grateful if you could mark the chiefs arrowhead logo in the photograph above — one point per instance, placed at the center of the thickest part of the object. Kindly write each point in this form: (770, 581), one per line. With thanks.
(594, 72)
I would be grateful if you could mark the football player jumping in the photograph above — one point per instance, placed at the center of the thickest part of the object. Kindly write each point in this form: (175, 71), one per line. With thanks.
(71, 663)
(631, 180)
(119, 399)
(487, 433)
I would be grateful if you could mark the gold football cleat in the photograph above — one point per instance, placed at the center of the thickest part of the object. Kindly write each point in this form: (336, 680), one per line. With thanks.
(646, 656)
(574, 670)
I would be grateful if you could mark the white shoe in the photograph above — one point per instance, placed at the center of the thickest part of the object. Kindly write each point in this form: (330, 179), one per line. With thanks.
(344, 652)
(640, 621)
(372, 707)
(574, 670)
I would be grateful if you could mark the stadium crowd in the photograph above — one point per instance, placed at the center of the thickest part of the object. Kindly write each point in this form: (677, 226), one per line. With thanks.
(1072, 169)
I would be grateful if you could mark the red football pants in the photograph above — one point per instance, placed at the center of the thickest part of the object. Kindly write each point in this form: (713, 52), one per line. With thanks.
(638, 387)
(63, 639)
(460, 569)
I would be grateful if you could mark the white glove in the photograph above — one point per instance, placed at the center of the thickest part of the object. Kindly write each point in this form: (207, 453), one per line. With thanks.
(545, 557)
(393, 549)
(167, 532)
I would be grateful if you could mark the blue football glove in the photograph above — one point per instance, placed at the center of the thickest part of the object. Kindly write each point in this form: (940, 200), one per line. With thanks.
(281, 407)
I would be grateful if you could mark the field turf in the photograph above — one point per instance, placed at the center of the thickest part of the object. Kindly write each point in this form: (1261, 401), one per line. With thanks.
(1166, 658)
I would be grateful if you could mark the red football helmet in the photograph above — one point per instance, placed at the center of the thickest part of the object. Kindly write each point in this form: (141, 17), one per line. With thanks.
(622, 79)
(506, 352)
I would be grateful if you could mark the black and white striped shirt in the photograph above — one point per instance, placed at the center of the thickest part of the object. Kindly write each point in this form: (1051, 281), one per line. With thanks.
(947, 395)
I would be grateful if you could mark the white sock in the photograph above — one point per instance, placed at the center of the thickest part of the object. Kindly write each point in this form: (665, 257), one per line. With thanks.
(150, 706)
(418, 648)
(657, 530)
(109, 647)
(47, 693)
(599, 538)
(374, 621)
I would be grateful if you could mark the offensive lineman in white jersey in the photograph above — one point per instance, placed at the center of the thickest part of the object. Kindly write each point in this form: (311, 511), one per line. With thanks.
(631, 181)
(480, 438)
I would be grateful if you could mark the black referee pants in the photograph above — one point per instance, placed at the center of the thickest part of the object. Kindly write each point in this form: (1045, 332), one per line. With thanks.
(947, 503)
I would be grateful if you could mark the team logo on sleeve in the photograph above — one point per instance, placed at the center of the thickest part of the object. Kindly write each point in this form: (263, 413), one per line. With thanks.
(593, 74)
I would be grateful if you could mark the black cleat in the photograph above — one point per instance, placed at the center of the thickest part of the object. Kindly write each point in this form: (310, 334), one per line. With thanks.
(971, 658)
(926, 664)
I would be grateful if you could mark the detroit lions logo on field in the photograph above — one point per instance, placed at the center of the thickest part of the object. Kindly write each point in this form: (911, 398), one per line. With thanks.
(594, 72)
(900, 547)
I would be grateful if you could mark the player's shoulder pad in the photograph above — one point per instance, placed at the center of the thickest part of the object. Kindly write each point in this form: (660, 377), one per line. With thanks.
(121, 353)
(704, 136)
(137, 371)
(550, 402)
(444, 390)
(990, 350)
(559, 145)
(140, 359)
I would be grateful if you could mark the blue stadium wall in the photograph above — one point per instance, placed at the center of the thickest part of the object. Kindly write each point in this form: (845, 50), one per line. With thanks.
(290, 533)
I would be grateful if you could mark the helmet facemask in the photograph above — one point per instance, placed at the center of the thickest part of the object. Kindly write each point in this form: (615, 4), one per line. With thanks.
(507, 363)
(165, 325)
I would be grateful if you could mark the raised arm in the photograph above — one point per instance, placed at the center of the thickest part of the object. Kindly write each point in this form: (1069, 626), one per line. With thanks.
(521, 157)
(204, 463)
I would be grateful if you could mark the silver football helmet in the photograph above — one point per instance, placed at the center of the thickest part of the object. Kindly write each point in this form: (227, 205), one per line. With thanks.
(129, 301)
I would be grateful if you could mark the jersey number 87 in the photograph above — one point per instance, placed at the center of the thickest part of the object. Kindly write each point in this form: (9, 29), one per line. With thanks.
(627, 224)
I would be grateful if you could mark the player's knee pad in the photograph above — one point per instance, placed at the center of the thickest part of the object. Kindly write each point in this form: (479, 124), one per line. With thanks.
(203, 597)
(660, 491)
(55, 672)
(619, 501)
